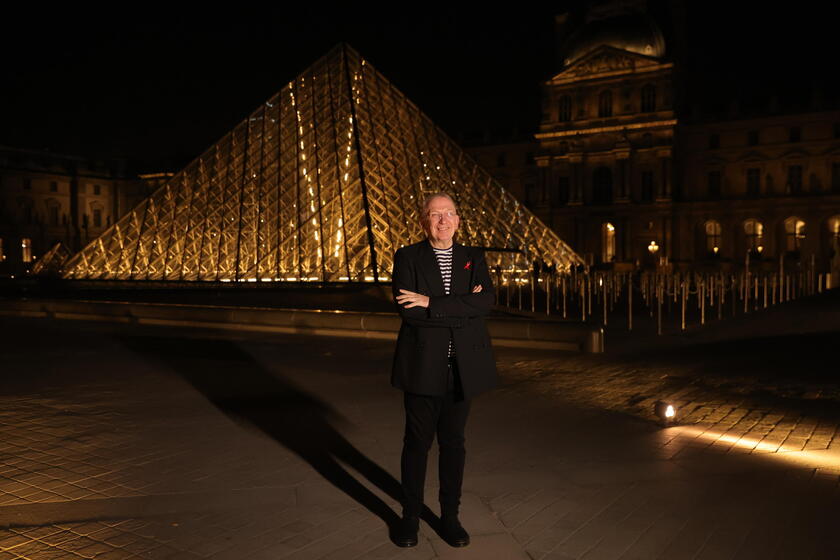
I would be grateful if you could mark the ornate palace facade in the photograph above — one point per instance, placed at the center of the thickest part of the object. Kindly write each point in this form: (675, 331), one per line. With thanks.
(627, 178)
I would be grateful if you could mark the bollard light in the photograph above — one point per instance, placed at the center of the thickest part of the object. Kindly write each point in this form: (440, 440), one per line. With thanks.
(666, 412)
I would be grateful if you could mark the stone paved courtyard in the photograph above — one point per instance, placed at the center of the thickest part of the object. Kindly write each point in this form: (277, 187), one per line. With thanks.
(120, 441)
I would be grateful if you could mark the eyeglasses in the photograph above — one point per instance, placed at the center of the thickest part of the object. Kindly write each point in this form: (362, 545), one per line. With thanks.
(436, 216)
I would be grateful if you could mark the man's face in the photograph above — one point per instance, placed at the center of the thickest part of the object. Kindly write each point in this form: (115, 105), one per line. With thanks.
(441, 221)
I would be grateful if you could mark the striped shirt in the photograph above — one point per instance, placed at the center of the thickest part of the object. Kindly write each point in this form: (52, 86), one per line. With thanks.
(444, 260)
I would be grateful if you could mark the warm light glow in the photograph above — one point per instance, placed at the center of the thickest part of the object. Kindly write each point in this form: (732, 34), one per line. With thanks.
(715, 249)
(760, 248)
(816, 458)
(670, 412)
(653, 247)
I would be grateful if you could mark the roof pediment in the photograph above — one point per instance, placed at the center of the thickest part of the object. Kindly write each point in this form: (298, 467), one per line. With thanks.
(608, 61)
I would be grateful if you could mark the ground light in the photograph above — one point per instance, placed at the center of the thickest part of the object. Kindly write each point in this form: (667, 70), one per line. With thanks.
(666, 412)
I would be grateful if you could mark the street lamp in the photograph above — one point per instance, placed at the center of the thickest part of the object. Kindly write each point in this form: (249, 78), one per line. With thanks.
(653, 247)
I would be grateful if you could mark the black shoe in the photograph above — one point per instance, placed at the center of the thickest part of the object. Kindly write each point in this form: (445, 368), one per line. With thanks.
(452, 531)
(405, 533)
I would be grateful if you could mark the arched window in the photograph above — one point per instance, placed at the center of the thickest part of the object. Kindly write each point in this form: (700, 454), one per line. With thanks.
(608, 242)
(602, 185)
(605, 103)
(713, 231)
(754, 231)
(565, 112)
(648, 98)
(794, 233)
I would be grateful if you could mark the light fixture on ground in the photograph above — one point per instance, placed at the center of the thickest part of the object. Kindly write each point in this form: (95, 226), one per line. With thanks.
(666, 412)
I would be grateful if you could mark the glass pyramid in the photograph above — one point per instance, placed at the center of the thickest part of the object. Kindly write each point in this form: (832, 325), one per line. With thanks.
(321, 183)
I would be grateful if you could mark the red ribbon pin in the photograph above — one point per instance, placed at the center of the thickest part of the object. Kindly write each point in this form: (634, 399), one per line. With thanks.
(468, 265)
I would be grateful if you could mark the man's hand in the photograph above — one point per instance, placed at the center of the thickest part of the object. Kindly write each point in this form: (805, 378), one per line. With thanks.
(412, 299)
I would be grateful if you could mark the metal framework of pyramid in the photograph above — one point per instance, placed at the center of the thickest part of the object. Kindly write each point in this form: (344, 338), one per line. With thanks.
(321, 183)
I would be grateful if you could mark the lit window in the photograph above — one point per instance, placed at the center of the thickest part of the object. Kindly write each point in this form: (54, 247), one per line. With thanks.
(648, 99)
(26, 249)
(754, 231)
(608, 242)
(713, 231)
(605, 108)
(794, 233)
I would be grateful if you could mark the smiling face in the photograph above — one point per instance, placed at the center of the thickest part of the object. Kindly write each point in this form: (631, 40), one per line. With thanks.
(440, 221)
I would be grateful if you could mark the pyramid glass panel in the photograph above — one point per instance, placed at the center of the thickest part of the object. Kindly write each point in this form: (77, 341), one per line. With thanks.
(321, 183)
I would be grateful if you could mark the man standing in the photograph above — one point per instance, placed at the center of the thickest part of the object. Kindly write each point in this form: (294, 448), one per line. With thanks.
(443, 359)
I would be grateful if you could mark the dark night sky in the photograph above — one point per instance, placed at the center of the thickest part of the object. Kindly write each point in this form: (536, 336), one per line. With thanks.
(158, 86)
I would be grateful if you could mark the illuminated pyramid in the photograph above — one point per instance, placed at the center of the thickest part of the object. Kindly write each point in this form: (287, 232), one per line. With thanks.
(320, 183)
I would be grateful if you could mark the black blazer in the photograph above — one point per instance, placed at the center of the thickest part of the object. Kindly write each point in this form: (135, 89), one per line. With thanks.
(420, 360)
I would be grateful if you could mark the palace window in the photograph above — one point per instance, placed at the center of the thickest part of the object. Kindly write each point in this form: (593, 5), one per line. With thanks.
(794, 233)
(795, 134)
(26, 249)
(602, 185)
(97, 217)
(752, 138)
(714, 141)
(648, 98)
(558, 194)
(794, 182)
(754, 231)
(835, 177)
(53, 186)
(754, 182)
(565, 112)
(53, 213)
(608, 242)
(27, 184)
(647, 186)
(605, 102)
(713, 231)
(714, 184)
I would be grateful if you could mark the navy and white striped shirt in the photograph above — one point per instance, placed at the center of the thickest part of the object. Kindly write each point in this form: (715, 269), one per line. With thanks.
(444, 260)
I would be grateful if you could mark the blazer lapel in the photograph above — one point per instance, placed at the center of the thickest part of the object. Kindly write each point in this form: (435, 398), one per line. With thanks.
(430, 269)
(460, 274)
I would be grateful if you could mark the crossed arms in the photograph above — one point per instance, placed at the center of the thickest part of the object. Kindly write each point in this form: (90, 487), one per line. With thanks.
(447, 311)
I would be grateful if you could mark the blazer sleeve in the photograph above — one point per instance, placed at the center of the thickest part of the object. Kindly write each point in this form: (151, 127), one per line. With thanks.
(403, 277)
(467, 305)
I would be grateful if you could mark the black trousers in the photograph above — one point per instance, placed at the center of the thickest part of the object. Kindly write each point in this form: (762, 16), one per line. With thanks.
(426, 416)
